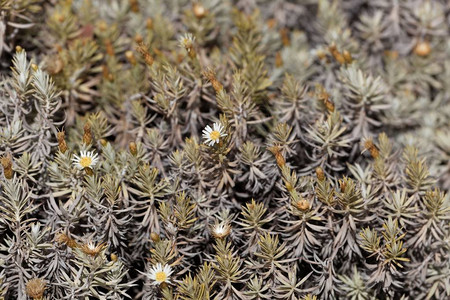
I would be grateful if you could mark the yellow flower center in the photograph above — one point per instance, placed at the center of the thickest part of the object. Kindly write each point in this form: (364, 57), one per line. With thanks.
(85, 161)
(214, 135)
(160, 276)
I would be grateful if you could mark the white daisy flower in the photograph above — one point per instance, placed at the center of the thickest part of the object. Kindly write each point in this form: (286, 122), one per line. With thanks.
(212, 135)
(87, 159)
(160, 274)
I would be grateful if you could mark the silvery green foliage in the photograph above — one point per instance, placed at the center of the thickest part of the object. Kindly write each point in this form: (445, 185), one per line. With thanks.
(328, 177)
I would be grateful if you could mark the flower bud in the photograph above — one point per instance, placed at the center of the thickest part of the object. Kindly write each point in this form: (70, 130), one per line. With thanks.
(199, 10)
(154, 237)
(422, 48)
(133, 148)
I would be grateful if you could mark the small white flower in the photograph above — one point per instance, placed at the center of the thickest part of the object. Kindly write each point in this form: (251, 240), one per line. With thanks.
(186, 40)
(87, 159)
(160, 274)
(91, 248)
(221, 230)
(212, 135)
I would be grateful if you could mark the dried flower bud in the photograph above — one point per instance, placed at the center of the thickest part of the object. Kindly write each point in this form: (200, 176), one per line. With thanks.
(133, 148)
(114, 257)
(303, 204)
(337, 55)
(324, 97)
(320, 174)
(143, 50)
(134, 6)
(19, 48)
(6, 162)
(61, 141)
(89, 171)
(163, 285)
(369, 145)
(347, 56)
(211, 76)
(130, 57)
(284, 33)
(63, 238)
(138, 38)
(278, 60)
(87, 136)
(422, 48)
(154, 237)
(103, 142)
(342, 185)
(35, 288)
(199, 10)
(109, 47)
(34, 67)
(91, 249)
(105, 71)
(321, 55)
(278, 155)
(329, 105)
